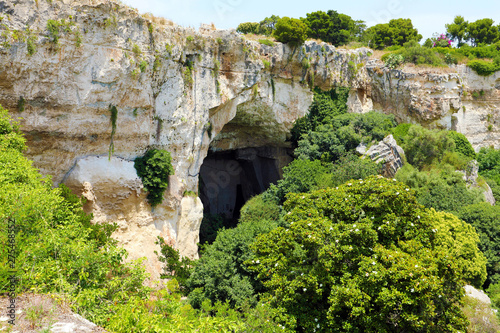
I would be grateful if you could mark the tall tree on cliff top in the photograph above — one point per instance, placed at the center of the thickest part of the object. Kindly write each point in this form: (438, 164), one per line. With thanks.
(396, 32)
(457, 30)
(332, 27)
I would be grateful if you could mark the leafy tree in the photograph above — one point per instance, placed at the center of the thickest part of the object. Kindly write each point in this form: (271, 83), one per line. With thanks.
(268, 25)
(396, 32)
(332, 27)
(299, 176)
(350, 166)
(367, 257)
(248, 28)
(484, 217)
(325, 106)
(220, 275)
(290, 30)
(343, 133)
(482, 32)
(457, 30)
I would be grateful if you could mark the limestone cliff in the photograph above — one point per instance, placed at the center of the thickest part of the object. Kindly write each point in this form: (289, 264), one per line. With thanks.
(64, 65)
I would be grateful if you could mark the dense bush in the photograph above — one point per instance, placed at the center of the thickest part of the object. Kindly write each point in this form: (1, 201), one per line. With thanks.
(489, 163)
(325, 106)
(343, 133)
(220, 275)
(248, 28)
(299, 176)
(367, 257)
(423, 146)
(485, 218)
(440, 188)
(154, 168)
(483, 67)
(462, 145)
(350, 166)
(290, 30)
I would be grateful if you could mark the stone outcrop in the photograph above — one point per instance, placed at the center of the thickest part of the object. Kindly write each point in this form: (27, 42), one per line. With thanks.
(188, 91)
(386, 152)
(174, 88)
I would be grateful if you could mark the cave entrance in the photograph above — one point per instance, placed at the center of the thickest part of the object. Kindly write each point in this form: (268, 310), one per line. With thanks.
(230, 178)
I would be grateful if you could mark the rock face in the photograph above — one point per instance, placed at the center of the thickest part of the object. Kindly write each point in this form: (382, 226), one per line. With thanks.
(187, 91)
(458, 99)
(386, 152)
(174, 88)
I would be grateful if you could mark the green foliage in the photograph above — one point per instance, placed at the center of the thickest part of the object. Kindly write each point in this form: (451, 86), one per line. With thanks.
(113, 117)
(489, 163)
(268, 25)
(483, 67)
(220, 275)
(10, 133)
(332, 27)
(175, 266)
(344, 133)
(290, 30)
(366, 257)
(462, 145)
(248, 28)
(266, 42)
(55, 28)
(484, 218)
(457, 30)
(154, 168)
(396, 32)
(21, 104)
(440, 188)
(299, 176)
(394, 60)
(350, 166)
(325, 106)
(136, 49)
(400, 132)
(423, 146)
(419, 55)
(143, 65)
(482, 31)
(189, 38)
(210, 225)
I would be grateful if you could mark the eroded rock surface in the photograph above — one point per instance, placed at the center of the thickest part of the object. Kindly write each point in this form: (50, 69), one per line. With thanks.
(185, 91)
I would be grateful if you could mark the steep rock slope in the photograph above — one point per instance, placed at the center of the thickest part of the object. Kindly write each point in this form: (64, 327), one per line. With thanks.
(65, 66)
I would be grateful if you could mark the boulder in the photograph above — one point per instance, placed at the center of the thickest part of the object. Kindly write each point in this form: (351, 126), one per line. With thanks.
(387, 152)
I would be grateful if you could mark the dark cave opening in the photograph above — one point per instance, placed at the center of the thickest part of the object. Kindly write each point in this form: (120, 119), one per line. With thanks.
(229, 178)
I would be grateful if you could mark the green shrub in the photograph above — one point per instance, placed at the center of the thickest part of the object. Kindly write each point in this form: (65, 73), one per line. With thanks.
(143, 66)
(220, 275)
(266, 42)
(421, 56)
(483, 67)
(154, 168)
(424, 146)
(400, 132)
(462, 145)
(489, 163)
(353, 255)
(350, 166)
(393, 60)
(175, 266)
(290, 30)
(248, 28)
(440, 188)
(484, 217)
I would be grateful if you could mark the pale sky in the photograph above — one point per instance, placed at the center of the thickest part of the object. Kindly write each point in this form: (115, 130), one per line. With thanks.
(427, 16)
